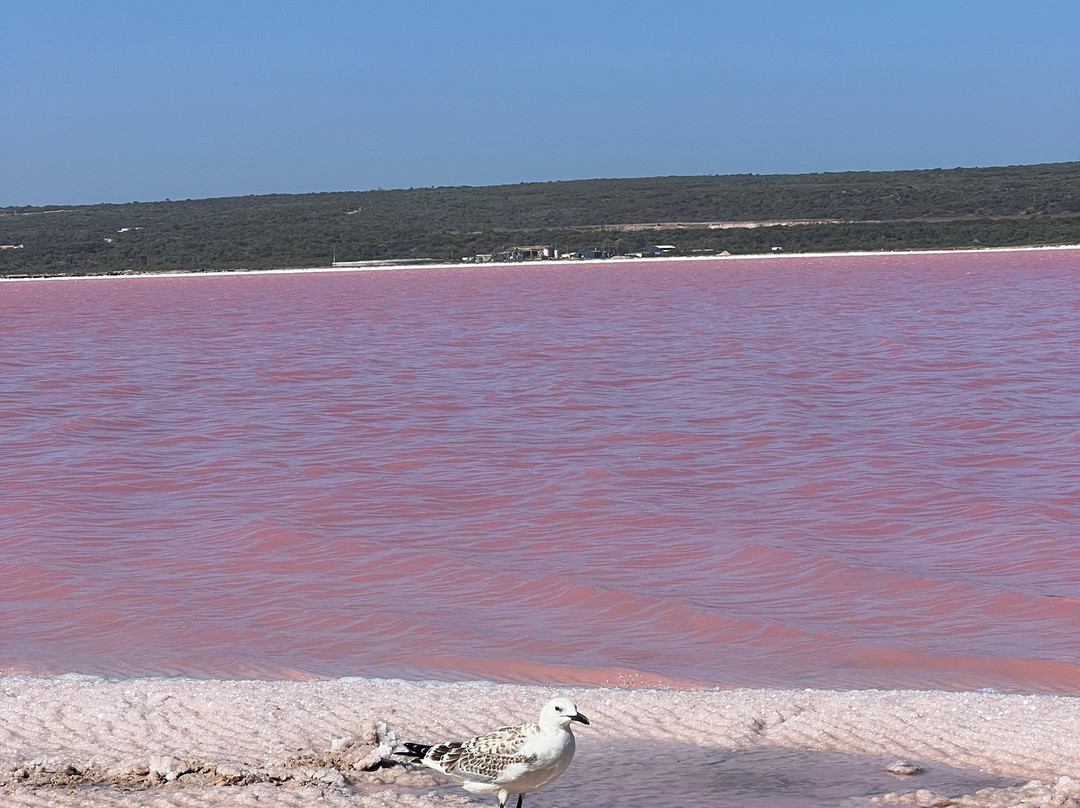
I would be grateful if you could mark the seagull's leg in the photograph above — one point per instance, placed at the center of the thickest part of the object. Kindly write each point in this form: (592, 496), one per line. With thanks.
(520, 798)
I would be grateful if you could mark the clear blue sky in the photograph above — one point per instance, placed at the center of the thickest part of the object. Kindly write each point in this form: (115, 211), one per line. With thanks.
(114, 101)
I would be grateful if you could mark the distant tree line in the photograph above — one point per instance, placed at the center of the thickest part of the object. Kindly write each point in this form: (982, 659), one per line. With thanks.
(960, 207)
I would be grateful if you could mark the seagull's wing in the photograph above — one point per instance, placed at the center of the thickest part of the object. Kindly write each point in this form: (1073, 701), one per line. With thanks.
(483, 758)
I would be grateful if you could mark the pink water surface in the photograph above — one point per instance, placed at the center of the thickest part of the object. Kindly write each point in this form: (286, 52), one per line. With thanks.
(845, 471)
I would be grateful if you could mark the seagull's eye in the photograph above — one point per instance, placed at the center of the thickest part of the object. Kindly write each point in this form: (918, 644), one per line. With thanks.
(558, 709)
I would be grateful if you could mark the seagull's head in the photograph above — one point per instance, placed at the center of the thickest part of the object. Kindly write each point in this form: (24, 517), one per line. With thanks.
(559, 713)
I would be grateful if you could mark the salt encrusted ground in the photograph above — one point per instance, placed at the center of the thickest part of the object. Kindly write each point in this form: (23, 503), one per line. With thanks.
(179, 742)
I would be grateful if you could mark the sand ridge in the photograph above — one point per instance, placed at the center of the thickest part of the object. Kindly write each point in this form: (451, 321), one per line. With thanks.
(391, 265)
(151, 742)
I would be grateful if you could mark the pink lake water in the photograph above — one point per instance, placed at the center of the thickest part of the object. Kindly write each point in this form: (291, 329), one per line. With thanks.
(842, 472)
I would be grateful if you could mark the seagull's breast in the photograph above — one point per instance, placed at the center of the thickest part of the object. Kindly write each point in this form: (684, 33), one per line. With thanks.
(542, 758)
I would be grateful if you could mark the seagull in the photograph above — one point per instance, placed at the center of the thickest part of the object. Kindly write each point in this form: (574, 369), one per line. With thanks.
(510, 760)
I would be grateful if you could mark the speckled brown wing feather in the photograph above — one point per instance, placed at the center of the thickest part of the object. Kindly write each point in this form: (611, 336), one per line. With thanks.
(483, 758)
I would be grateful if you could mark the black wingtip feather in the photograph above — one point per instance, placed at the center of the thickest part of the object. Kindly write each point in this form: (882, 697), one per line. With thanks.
(414, 750)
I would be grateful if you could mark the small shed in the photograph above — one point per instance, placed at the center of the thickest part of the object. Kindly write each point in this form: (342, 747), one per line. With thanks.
(540, 252)
(658, 249)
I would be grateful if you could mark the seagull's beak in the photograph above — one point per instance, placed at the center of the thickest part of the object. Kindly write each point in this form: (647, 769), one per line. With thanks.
(579, 717)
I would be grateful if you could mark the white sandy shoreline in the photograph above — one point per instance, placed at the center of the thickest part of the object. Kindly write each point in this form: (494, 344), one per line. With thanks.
(120, 730)
(618, 261)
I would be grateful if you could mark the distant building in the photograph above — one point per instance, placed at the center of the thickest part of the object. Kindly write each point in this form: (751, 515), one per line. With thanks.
(541, 252)
(658, 249)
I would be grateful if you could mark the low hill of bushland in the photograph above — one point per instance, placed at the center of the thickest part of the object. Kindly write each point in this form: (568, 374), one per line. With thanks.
(939, 208)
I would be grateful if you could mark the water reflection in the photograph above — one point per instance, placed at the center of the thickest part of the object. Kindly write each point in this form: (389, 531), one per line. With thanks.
(650, 774)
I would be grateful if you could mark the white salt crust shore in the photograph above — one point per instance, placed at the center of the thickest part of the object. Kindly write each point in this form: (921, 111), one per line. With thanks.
(642, 262)
(154, 743)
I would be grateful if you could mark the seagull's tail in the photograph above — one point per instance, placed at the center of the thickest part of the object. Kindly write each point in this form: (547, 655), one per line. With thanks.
(442, 757)
(417, 751)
